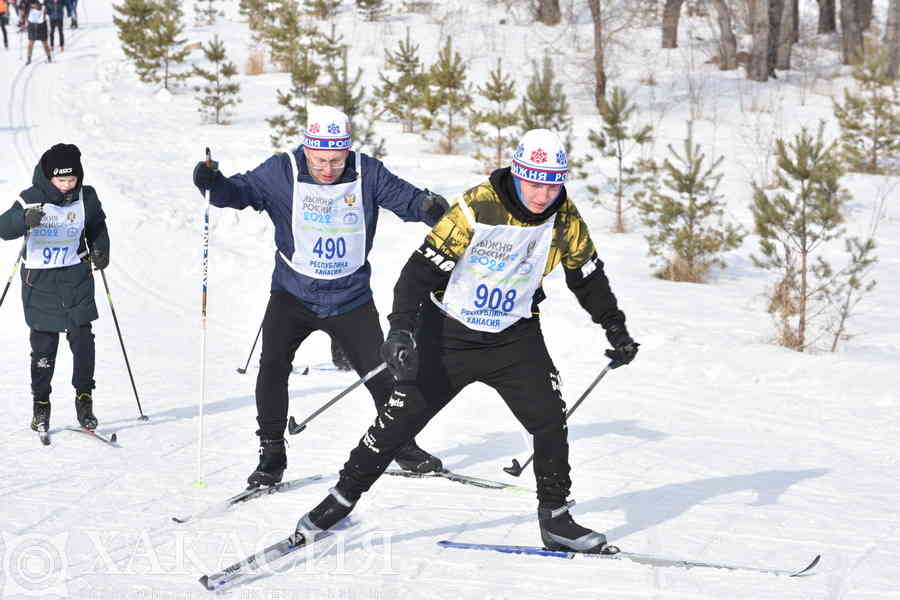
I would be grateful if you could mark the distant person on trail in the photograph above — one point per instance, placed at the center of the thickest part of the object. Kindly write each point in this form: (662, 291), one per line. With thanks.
(56, 13)
(466, 310)
(65, 232)
(72, 10)
(4, 21)
(324, 200)
(37, 29)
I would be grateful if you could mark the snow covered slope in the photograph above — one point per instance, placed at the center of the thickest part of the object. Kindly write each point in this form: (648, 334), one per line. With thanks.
(713, 444)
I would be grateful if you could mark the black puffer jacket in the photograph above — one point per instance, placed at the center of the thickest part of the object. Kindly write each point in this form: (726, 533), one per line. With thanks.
(58, 299)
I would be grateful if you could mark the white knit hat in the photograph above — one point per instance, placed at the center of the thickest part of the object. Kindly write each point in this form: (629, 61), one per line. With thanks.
(541, 158)
(327, 128)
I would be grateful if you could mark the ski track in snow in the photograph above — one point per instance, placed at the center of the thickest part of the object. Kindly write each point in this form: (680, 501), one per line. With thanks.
(712, 445)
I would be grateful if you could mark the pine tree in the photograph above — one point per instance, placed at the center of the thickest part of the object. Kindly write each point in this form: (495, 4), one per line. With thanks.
(286, 36)
(133, 26)
(849, 287)
(447, 78)
(793, 224)
(288, 126)
(220, 92)
(617, 139)
(545, 106)
(259, 14)
(686, 215)
(166, 49)
(205, 12)
(328, 47)
(498, 92)
(870, 120)
(321, 9)
(400, 97)
(372, 10)
(344, 93)
(150, 34)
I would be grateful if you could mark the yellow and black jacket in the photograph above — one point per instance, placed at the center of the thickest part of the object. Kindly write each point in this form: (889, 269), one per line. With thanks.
(494, 202)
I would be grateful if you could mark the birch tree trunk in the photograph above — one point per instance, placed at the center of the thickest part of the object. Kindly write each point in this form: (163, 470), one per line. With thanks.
(827, 16)
(599, 60)
(671, 14)
(851, 32)
(548, 12)
(864, 8)
(785, 37)
(727, 41)
(758, 68)
(892, 39)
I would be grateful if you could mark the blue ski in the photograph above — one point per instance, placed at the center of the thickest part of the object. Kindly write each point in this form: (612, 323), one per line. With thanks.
(646, 559)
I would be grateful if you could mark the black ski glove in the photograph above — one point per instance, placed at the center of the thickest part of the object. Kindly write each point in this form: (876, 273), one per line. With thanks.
(624, 348)
(399, 352)
(205, 176)
(33, 217)
(100, 259)
(435, 206)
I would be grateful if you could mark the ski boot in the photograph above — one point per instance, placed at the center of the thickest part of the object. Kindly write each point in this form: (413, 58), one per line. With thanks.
(74, 23)
(328, 513)
(412, 458)
(40, 421)
(272, 463)
(84, 410)
(560, 532)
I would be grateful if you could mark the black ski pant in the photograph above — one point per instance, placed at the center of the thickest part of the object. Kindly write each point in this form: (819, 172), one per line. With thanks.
(44, 345)
(54, 25)
(518, 367)
(286, 324)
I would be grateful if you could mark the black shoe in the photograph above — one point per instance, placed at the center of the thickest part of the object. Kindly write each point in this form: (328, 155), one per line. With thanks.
(272, 463)
(40, 422)
(560, 532)
(412, 458)
(326, 515)
(84, 410)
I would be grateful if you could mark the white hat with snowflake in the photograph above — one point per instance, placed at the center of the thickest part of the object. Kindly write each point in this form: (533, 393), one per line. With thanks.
(541, 158)
(327, 128)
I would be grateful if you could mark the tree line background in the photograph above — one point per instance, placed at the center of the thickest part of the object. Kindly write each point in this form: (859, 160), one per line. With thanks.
(675, 196)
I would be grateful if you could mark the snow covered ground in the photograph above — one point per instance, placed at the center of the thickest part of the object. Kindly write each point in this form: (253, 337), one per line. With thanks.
(714, 444)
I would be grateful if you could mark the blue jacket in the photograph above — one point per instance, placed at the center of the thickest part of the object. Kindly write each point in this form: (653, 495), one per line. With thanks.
(56, 9)
(269, 187)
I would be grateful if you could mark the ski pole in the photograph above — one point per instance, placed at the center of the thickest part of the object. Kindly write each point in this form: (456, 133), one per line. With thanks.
(209, 163)
(112, 309)
(294, 428)
(252, 348)
(516, 469)
(14, 269)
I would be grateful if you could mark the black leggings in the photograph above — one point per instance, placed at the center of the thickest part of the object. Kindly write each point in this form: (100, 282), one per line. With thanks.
(3, 19)
(44, 345)
(519, 369)
(54, 25)
(286, 324)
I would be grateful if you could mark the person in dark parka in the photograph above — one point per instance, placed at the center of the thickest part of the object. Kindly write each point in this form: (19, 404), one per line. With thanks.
(65, 231)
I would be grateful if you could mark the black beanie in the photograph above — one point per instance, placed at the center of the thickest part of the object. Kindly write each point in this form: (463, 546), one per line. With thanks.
(62, 160)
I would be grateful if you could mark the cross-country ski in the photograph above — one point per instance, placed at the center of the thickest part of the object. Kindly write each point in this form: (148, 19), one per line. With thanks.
(445, 267)
(647, 559)
(247, 495)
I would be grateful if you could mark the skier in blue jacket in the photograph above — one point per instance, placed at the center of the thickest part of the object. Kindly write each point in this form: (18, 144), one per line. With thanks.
(323, 199)
(56, 13)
